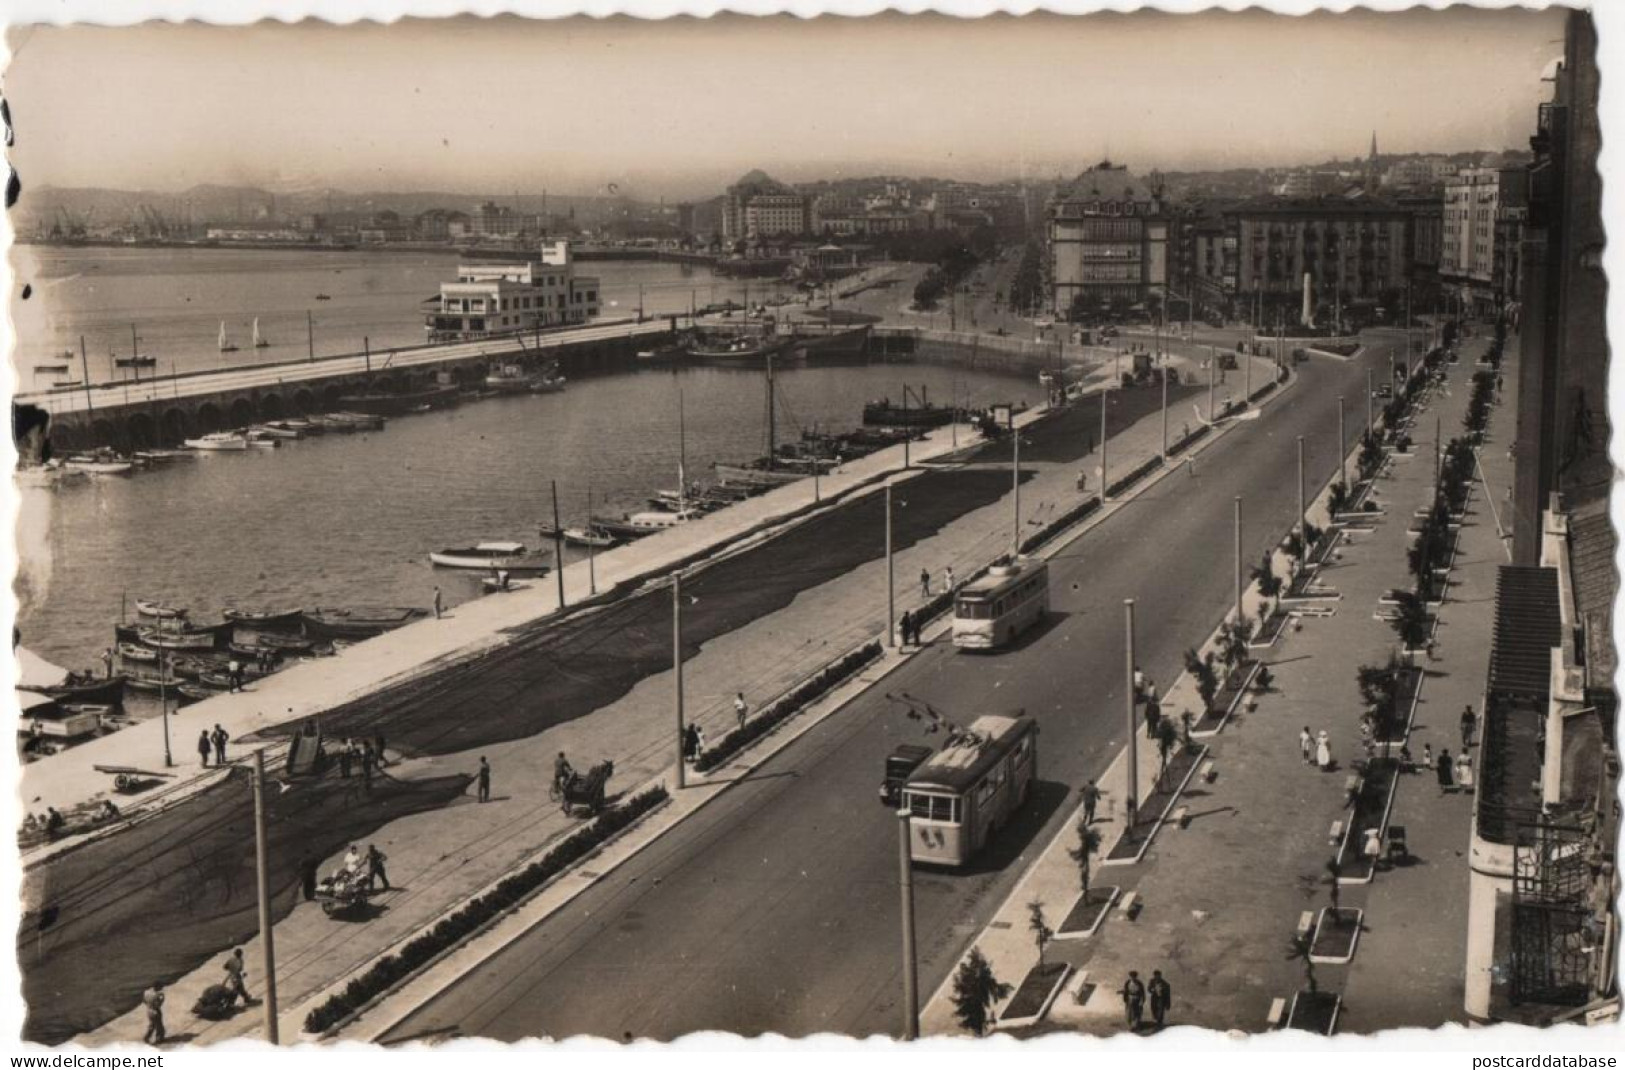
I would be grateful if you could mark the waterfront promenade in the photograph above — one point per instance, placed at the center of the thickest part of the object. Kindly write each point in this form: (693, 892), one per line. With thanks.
(1218, 901)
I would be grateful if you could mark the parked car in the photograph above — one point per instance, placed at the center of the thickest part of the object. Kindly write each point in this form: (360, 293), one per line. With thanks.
(900, 765)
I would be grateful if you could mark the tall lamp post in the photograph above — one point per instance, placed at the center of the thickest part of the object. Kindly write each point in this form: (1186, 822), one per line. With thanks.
(891, 586)
(677, 668)
(262, 873)
(1239, 615)
(1131, 802)
(911, 977)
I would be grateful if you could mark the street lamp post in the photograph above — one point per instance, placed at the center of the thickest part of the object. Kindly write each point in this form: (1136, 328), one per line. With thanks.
(262, 873)
(911, 979)
(1303, 513)
(891, 587)
(1342, 446)
(1164, 358)
(163, 702)
(1370, 389)
(1212, 372)
(1131, 802)
(1103, 483)
(1015, 481)
(1239, 615)
(677, 667)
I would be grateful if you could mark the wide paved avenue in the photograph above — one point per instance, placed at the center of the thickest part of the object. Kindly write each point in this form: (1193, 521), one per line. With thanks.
(776, 906)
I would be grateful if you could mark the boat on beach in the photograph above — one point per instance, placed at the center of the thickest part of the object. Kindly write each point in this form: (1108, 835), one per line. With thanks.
(486, 556)
(358, 622)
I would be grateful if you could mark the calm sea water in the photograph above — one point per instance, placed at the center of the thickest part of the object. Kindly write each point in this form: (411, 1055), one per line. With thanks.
(351, 519)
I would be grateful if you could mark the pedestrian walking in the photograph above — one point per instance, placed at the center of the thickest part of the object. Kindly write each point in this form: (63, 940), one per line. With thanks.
(925, 583)
(742, 709)
(691, 743)
(235, 669)
(1306, 745)
(485, 778)
(366, 765)
(378, 750)
(1469, 724)
(1139, 684)
(309, 867)
(1151, 692)
(1323, 751)
(236, 976)
(107, 663)
(1162, 996)
(153, 1000)
(1447, 777)
(948, 578)
(220, 737)
(1152, 716)
(1091, 798)
(375, 867)
(346, 756)
(437, 603)
(1134, 999)
(203, 748)
(905, 628)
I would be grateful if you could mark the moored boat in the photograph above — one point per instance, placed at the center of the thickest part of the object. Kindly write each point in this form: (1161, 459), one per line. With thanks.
(591, 535)
(152, 680)
(288, 644)
(107, 691)
(275, 430)
(178, 639)
(749, 474)
(358, 622)
(885, 414)
(219, 440)
(188, 693)
(100, 464)
(652, 521)
(486, 556)
(264, 618)
(159, 610)
(137, 653)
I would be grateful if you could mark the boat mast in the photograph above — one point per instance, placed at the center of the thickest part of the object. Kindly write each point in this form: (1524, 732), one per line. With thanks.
(772, 430)
(135, 363)
(84, 366)
(682, 457)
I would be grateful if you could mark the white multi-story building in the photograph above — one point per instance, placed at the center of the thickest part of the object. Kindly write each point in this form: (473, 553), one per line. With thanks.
(489, 299)
(1475, 201)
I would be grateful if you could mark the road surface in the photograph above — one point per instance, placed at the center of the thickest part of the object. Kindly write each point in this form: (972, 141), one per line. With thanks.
(775, 907)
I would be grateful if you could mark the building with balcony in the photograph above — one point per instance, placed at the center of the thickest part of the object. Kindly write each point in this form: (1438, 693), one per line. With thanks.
(758, 207)
(1107, 236)
(512, 298)
(1479, 202)
(1543, 923)
(1354, 250)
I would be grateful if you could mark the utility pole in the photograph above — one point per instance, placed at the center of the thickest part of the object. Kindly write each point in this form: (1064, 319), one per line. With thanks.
(1103, 483)
(1212, 373)
(163, 702)
(1303, 513)
(891, 587)
(1131, 801)
(1239, 585)
(1164, 360)
(84, 367)
(1342, 446)
(264, 883)
(592, 571)
(677, 667)
(558, 543)
(1370, 389)
(1015, 480)
(911, 978)
(310, 335)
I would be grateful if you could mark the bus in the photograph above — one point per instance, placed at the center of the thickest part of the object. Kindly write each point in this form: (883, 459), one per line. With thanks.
(993, 610)
(965, 792)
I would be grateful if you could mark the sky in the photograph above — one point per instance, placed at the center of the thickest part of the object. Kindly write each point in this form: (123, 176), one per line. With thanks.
(679, 108)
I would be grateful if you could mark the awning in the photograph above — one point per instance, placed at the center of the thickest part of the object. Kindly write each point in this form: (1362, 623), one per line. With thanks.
(1528, 624)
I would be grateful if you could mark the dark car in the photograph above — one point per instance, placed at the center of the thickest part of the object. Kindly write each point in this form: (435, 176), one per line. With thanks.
(900, 765)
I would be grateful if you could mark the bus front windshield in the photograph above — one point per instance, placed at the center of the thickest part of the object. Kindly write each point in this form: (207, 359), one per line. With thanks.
(978, 609)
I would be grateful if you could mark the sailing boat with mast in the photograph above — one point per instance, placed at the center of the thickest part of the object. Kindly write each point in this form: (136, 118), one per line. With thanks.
(649, 522)
(226, 344)
(259, 343)
(135, 359)
(773, 469)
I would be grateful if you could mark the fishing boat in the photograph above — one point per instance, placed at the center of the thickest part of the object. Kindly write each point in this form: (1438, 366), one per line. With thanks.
(259, 342)
(510, 379)
(178, 639)
(590, 536)
(287, 644)
(739, 351)
(188, 693)
(219, 440)
(137, 653)
(152, 680)
(226, 344)
(159, 610)
(275, 431)
(358, 622)
(264, 618)
(94, 465)
(883, 413)
(108, 691)
(508, 556)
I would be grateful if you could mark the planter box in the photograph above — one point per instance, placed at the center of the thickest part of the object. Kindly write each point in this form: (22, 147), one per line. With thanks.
(1087, 913)
(1336, 934)
(1273, 628)
(1315, 1012)
(1372, 806)
(1035, 994)
(1132, 843)
(1226, 699)
(1409, 691)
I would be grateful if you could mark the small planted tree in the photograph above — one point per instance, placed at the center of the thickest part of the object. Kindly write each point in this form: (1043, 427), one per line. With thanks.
(1410, 620)
(1334, 871)
(1269, 584)
(1201, 670)
(1233, 638)
(1167, 740)
(1038, 925)
(1337, 498)
(1084, 853)
(976, 991)
(1379, 690)
(1302, 949)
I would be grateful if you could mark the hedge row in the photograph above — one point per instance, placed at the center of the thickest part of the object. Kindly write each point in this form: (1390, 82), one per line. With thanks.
(1139, 473)
(480, 911)
(786, 706)
(1189, 440)
(1059, 524)
(1261, 391)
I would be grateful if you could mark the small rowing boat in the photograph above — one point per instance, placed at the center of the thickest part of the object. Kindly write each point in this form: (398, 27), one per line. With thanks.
(138, 653)
(358, 622)
(488, 556)
(160, 610)
(264, 618)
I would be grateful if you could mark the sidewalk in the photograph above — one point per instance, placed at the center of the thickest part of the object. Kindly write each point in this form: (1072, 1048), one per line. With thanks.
(444, 856)
(1217, 902)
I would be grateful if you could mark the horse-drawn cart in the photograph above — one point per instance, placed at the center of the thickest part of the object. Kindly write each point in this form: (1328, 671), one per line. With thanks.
(583, 790)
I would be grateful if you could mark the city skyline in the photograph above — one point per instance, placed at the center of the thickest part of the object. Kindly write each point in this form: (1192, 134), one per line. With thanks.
(615, 117)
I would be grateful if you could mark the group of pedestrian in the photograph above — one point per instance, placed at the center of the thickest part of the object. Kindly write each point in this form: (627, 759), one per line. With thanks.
(366, 755)
(212, 743)
(909, 627)
(1135, 992)
(693, 742)
(1145, 693)
(1316, 749)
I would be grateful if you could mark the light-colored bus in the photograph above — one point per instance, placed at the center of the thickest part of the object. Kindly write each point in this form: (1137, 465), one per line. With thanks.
(970, 788)
(993, 610)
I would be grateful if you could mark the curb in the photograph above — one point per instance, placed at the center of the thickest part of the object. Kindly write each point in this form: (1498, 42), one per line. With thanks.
(1162, 818)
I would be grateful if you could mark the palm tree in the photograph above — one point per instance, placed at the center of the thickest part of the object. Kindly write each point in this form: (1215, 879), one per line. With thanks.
(1300, 948)
(976, 990)
(1083, 854)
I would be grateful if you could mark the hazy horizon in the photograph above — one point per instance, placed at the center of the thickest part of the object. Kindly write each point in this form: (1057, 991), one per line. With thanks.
(679, 108)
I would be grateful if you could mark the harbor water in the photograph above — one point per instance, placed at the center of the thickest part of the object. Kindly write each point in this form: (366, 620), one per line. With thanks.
(340, 520)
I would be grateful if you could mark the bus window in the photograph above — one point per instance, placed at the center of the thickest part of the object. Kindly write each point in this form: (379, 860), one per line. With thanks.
(934, 807)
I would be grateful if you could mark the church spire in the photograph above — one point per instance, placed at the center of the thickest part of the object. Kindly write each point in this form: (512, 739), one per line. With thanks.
(1373, 157)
